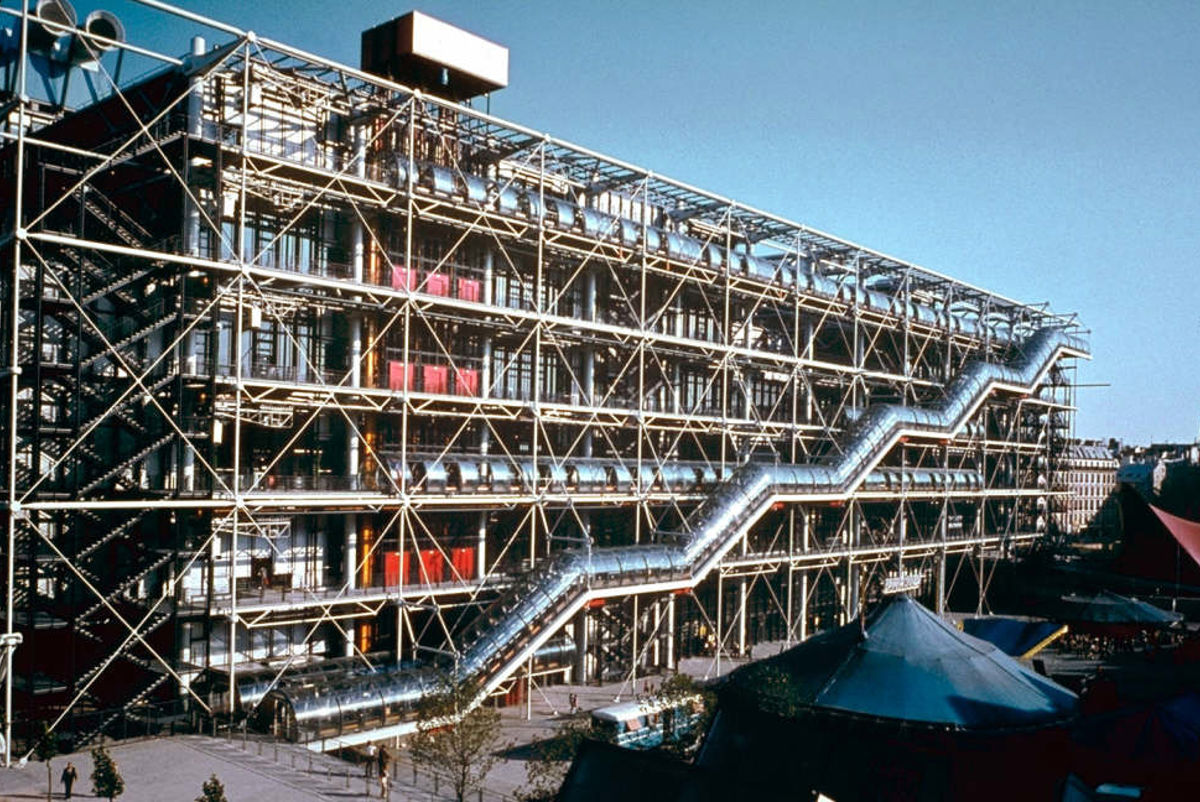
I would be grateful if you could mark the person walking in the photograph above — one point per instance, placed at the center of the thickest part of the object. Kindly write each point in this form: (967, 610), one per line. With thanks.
(384, 765)
(372, 757)
(68, 777)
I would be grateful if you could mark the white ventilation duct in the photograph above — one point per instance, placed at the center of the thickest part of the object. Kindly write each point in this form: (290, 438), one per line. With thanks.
(51, 19)
(85, 51)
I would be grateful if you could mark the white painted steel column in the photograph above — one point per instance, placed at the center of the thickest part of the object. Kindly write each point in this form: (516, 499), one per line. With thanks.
(743, 603)
(239, 374)
(944, 531)
(634, 656)
(485, 391)
(589, 351)
(656, 657)
(14, 373)
(789, 598)
(671, 632)
(676, 367)
(580, 628)
(195, 128)
(191, 236)
(357, 260)
(350, 569)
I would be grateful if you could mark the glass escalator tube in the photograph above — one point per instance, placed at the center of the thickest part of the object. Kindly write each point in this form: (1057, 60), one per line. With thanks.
(564, 580)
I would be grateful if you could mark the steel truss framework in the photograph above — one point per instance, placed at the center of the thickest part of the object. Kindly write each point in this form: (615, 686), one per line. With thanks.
(302, 364)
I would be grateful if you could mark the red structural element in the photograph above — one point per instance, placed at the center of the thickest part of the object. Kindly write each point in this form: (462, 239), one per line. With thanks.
(594, 603)
(515, 695)
(1153, 546)
(1185, 532)
(395, 567)
(466, 381)
(463, 560)
(403, 278)
(433, 567)
(469, 289)
(435, 378)
(400, 375)
(437, 284)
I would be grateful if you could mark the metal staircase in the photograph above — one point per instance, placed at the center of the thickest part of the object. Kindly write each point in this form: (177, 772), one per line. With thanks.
(99, 316)
(127, 462)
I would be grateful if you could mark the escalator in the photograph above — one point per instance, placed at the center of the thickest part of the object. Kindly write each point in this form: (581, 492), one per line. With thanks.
(542, 602)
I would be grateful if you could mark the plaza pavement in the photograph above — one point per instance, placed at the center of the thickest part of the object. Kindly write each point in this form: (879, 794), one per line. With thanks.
(258, 769)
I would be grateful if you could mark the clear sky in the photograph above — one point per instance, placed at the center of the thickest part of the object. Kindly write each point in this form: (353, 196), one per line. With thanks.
(1049, 151)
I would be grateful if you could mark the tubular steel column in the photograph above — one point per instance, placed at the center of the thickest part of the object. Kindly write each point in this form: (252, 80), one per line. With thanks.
(853, 570)
(580, 628)
(350, 571)
(239, 383)
(191, 240)
(804, 531)
(540, 297)
(670, 662)
(353, 456)
(743, 599)
(634, 651)
(643, 506)
(944, 532)
(14, 372)
(789, 598)
(979, 533)
(719, 618)
(485, 391)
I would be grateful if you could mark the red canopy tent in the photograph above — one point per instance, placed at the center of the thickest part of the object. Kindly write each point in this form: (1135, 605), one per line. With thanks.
(1158, 545)
(1185, 532)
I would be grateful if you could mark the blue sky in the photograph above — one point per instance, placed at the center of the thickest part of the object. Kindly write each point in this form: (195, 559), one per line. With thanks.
(1045, 150)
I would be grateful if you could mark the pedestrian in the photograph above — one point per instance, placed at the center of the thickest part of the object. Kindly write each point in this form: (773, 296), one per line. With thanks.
(383, 784)
(384, 761)
(372, 757)
(69, 776)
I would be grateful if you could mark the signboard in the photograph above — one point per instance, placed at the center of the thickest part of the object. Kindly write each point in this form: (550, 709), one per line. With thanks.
(902, 583)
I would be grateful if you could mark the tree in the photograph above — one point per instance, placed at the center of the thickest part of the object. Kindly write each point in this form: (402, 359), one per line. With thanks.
(213, 791)
(765, 687)
(547, 767)
(106, 780)
(456, 736)
(46, 750)
(688, 698)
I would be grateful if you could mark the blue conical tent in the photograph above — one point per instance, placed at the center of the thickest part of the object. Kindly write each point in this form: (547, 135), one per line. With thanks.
(1110, 608)
(906, 664)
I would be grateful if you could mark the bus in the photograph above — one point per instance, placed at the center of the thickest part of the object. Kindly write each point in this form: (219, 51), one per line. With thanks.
(648, 723)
